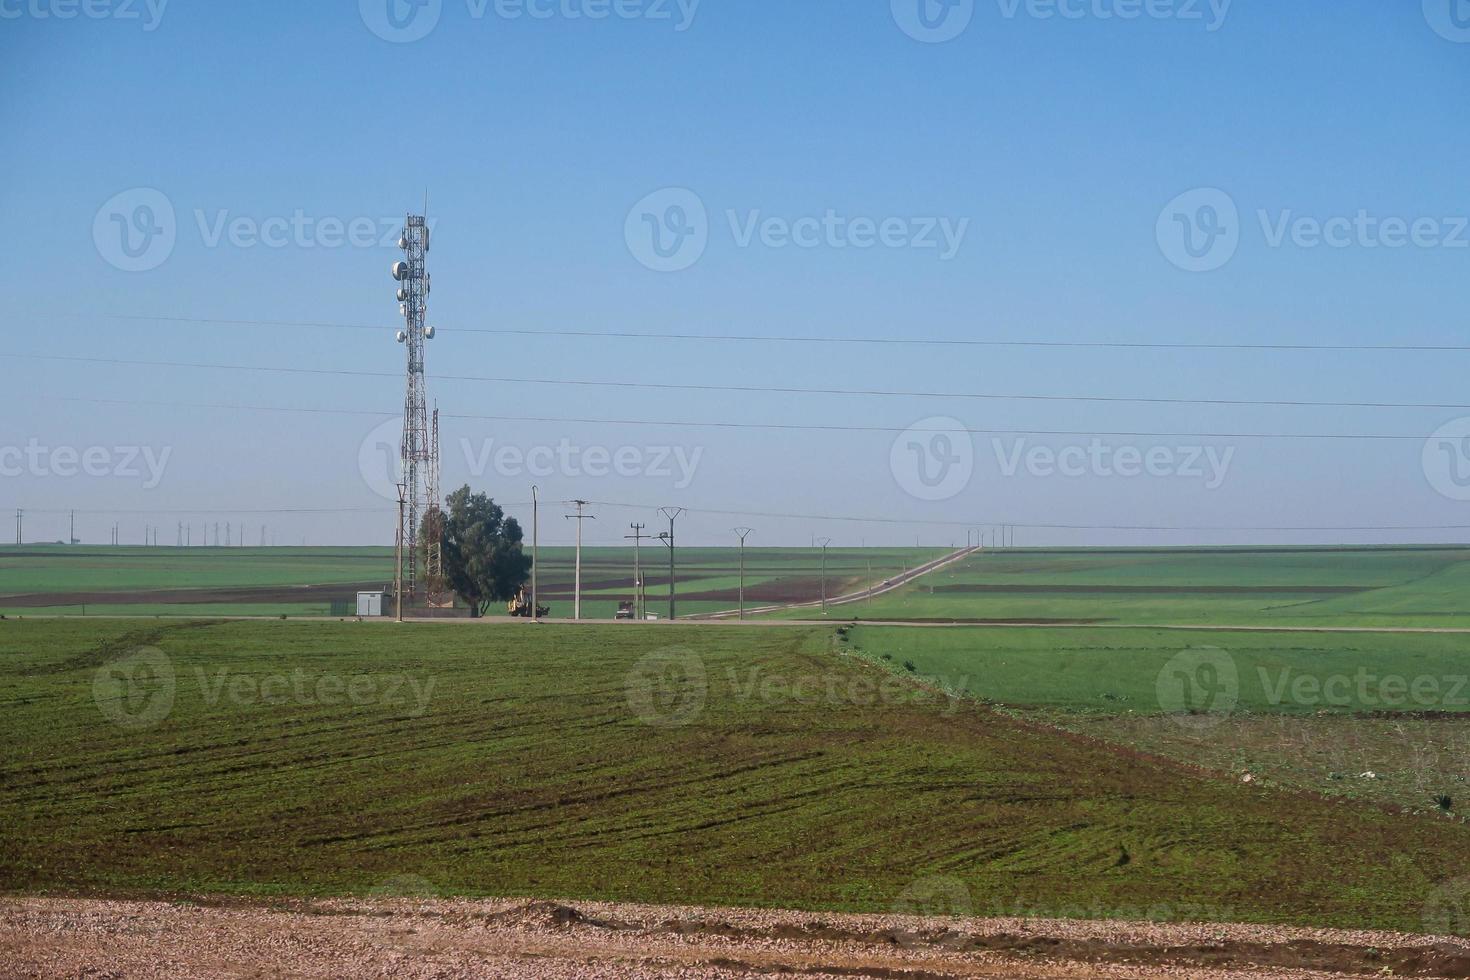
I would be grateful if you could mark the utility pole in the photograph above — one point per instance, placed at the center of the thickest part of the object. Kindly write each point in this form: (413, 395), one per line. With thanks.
(667, 537)
(535, 547)
(72, 538)
(397, 557)
(19, 520)
(637, 538)
(579, 517)
(743, 533)
(824, 542)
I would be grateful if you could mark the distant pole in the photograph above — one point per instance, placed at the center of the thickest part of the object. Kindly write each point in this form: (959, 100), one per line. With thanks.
(19, 518)
(397, 557)
(535, 546)
(672, 513)
(744, 532)
(824, 542)
(579, 517)
(637, 538)
(73, 538)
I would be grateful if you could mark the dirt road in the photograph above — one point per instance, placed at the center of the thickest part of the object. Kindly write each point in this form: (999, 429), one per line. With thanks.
(407, 937)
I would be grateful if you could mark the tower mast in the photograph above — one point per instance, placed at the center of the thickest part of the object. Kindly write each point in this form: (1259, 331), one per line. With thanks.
(416, 451)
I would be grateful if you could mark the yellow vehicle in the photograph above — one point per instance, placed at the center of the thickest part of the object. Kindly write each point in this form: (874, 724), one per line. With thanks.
(520, 606)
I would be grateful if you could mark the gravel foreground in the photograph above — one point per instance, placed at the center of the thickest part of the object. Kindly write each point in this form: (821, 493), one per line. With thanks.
(48, 937)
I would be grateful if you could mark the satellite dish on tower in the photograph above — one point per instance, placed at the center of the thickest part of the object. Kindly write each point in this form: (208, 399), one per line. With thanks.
(429, 333)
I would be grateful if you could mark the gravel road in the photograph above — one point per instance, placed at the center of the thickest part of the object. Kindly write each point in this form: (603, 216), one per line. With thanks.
(537, 939)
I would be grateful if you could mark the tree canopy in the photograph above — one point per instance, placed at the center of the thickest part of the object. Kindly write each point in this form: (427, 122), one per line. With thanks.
(483, 560)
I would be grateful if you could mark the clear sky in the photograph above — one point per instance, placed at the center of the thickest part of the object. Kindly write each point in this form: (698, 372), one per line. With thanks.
(995, 170)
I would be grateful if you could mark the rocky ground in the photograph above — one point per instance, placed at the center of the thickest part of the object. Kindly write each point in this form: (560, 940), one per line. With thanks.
(406, 937)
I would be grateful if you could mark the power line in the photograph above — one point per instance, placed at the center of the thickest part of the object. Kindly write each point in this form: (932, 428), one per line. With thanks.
(626, 505)
(756, 389)
(797, 339)
(776, 426)
(1036, 525)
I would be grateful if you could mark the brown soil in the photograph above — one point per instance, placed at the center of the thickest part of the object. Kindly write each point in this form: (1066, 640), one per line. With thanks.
(413, 937)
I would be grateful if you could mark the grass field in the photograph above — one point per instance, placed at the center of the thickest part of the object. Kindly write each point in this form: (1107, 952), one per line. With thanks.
(1422, 586)
(710, 764)
(61, 580)
(1373, 716)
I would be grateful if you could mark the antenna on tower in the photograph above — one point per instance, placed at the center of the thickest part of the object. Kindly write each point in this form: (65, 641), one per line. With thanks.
(417, 452)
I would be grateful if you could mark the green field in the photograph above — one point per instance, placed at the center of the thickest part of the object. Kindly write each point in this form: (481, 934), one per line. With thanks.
(1370, 586)
(688, 764)
(90, 580)
(1374, 716)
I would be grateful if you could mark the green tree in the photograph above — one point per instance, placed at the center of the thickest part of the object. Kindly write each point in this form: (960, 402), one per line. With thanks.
(483, 560)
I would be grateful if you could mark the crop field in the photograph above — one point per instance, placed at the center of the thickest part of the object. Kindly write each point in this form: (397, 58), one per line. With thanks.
(712, 764)
(89, 580)
(1367, 586)
(1372, 716)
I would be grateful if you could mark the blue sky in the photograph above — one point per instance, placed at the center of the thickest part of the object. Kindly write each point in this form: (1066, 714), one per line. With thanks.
(1055, 144)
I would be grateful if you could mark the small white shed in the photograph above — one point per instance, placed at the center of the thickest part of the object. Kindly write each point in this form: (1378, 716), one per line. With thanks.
(370, 603)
